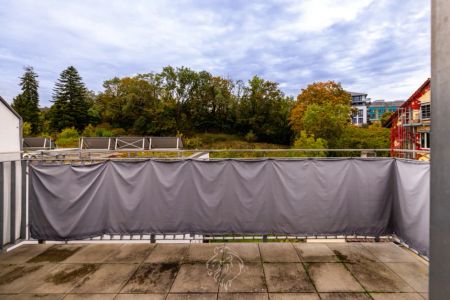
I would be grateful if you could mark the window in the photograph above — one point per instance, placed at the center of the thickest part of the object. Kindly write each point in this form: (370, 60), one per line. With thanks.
(425, 140)
(425, 111)
(407, 116)
(360, 116)
(357, 98)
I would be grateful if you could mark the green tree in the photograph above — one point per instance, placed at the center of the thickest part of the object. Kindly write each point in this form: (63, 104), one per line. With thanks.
(26, 104)
(320, 93)
(264, 109)
(305, 141)
(326, 121)
(70, 106)
(26, 129)
(372, 137)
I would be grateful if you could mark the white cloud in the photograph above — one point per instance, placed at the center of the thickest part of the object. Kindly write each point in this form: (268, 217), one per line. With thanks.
(292, 42)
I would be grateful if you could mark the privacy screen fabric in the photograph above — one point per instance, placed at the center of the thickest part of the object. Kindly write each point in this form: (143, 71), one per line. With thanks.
(411, 209)
(311, 196)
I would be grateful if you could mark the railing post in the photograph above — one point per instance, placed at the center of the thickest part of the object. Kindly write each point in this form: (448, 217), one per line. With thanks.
(13, 203)
(265, 238)
(23, 208)
(152, 238)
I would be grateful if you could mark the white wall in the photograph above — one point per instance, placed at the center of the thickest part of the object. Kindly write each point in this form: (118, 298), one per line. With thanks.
(10, 135)
(10, 145)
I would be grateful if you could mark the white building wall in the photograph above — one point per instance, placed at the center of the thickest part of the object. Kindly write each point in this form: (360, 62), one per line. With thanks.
(10, 135)
(364, 112)
(10, 147)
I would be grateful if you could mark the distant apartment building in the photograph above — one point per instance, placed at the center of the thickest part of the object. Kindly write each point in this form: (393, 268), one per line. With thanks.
(377, 108)
(410, 125)
(359, 106)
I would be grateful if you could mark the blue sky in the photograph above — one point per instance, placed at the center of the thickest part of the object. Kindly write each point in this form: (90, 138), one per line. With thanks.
(381, 47)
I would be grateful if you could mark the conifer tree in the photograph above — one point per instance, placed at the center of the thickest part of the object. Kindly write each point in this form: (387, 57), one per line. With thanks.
(70, 108)
(26, 104)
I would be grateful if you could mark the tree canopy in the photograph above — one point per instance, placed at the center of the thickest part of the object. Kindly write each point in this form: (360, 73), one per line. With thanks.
(326, 94)
(182, 101)
(26, 104)
(70, 107)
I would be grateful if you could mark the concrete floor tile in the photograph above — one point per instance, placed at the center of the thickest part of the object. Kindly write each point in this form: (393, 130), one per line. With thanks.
(390, 252)
(93, 253)
(194, 278)
(243, 296)
(344, 296)
(140, 297)
(376, 277)
(90, 297)
(192, 296)
(151, 278)
(108, 278)
(33, 297)
(424, 295)
(351, 252)
(22, 253)
(16, 278)
(314, 252)
(294, 296)
(396, 296)
(249, 280)
(56, 253)
(414, 273)
(333, 277)
(131, 253)
(60, 279)
(203, 252)
(248, 252)
(278, 252)
(168, 253)
(287, 278)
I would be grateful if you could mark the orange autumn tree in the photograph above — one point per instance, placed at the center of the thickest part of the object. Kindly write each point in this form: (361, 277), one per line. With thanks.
(319, 95)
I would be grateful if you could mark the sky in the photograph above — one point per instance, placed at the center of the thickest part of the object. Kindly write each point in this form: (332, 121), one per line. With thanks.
(380, 47)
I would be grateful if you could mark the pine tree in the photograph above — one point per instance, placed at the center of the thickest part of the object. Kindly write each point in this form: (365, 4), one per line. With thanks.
(26, 104)
(70, 108)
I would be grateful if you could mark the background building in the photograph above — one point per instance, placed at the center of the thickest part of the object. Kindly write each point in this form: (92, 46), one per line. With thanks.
(359, 105)
(377, 108)
(10, 132)
(410, 125)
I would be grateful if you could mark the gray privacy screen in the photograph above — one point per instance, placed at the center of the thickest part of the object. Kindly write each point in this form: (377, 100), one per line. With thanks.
(270, 196)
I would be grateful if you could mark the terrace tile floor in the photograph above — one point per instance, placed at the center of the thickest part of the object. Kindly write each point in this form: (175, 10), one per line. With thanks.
(213, 271)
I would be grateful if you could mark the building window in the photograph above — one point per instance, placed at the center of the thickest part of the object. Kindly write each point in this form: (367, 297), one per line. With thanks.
(425, 140)
(357, 99)
(425, 111)
(360, 116)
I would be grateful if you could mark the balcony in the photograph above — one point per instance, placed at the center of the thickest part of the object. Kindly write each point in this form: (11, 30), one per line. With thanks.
(339, 228)
(332, 270)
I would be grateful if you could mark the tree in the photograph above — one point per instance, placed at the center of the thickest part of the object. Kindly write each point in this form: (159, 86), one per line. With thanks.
(305, 141)
(70, 107)
(326, 121)
(319, 93)
(372, 137)
(264, 110)
(26, 104)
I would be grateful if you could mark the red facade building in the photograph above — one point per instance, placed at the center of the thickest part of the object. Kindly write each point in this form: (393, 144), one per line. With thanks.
(410, 125)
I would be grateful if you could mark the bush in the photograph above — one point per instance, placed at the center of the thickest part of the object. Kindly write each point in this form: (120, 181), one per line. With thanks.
(26, 129)
(309, 142)
(89, 131)
(68, 138)
(250, 137)
(192, 143)
(103, 132)
(118, 132)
